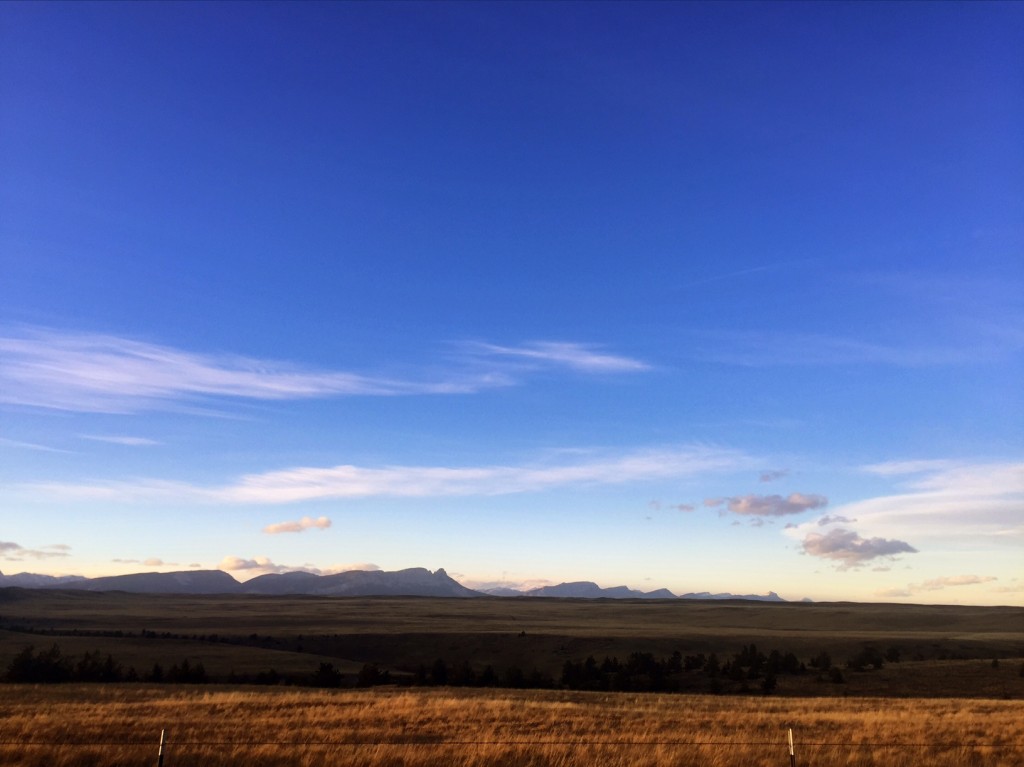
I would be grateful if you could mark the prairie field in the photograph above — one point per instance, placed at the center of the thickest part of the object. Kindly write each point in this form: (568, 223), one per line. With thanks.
(944, 651)
(213, 726)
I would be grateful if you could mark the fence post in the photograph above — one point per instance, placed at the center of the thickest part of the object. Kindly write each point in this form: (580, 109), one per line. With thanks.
(160, 753)
(792, 755)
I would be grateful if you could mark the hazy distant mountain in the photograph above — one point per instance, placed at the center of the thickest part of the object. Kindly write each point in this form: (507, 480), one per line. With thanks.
(660, 594)
(502, 591)
(185, 582)
(590, 590)
(34, 581)
(414, 582)
(771, 596)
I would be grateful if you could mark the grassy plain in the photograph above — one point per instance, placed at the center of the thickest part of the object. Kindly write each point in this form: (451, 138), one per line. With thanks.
(944, 650)
(119, 725)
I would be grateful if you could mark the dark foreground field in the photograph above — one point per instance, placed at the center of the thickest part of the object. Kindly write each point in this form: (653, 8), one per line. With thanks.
(683, 646)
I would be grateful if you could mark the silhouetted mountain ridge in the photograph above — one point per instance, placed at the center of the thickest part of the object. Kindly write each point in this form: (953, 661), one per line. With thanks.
(415, 581)
(183, 582)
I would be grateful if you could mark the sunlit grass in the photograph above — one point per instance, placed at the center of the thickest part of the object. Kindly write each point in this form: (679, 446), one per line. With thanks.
(75, 725)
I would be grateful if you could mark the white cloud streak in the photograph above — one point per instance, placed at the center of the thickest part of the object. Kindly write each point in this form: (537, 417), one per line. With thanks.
(576, 356)
(110, 374)
(958, 499)
(125, 440)
(942, 500)
(347, 481)
(30, 446)
(105, 373)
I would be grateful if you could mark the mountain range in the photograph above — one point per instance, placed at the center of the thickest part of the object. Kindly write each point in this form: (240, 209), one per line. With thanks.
(416, 581)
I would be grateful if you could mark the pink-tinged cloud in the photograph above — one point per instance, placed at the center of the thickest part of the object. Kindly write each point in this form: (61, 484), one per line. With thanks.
(151, 562)
(849, 549)
(250, 568)
(936, 584)
(769, 505)
(955, 580)
(253, 567)
(306, 523)
(772, 476)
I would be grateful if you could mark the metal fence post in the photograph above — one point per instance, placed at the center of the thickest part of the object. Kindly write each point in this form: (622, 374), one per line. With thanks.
(160, 753)
(792, 754)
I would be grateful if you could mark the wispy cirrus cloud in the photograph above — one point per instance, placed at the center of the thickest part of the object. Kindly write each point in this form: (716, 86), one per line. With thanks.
(582, 357)
(106, 373)
(437, 481)
(947, 497)
(904, 468)
(30, 446)
(83, 372)
(953, 502)
(121, 439)
(936, 584)
(298, 526)
(348, 481)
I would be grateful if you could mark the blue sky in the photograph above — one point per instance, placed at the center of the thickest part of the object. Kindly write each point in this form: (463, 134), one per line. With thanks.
(712, 297)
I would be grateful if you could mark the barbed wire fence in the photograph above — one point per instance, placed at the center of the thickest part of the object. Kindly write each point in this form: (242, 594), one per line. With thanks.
(164, 751)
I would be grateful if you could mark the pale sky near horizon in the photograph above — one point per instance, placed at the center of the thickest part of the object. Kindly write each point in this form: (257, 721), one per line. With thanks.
(699, 296)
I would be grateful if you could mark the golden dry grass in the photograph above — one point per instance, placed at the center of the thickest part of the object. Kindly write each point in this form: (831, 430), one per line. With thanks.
(85, 726)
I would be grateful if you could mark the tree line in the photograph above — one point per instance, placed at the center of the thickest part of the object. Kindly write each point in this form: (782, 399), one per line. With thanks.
(51, 666)
(749, 670)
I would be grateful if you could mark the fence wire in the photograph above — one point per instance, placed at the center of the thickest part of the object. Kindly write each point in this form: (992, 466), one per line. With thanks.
(503, 743)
